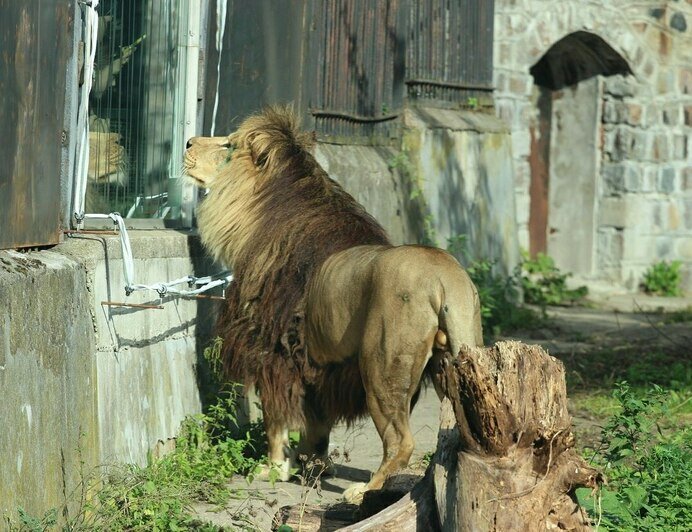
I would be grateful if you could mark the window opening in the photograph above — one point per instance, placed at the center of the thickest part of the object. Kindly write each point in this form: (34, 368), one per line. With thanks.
(137, 109)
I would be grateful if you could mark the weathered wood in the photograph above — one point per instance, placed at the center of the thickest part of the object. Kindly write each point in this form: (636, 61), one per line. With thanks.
(414, 511)
(311, 518)
(505, 459)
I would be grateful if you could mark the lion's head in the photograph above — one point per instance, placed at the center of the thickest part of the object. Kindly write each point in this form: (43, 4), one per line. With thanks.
(238, 169)
(205, 158)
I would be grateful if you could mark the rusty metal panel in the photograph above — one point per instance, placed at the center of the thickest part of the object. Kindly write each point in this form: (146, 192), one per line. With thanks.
(359, 62)
(450, 52)
(260, 60)
(35, 47)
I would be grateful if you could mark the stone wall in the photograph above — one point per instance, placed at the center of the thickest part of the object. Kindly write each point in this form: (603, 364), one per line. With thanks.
(643, 198)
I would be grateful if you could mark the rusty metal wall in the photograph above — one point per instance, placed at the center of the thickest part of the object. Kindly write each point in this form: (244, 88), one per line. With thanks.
(36, 45)
(349, 66)
(261, 61)
(358, 53)
(450, 51)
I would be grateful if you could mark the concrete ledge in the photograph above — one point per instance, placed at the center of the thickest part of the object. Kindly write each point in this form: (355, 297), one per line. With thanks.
(77, 375)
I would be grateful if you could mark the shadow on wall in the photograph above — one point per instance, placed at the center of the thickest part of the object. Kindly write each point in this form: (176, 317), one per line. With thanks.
(206, 316)
(461, 183)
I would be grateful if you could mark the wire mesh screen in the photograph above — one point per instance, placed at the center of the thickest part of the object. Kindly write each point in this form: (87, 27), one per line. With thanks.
(450, 51)
(359, 64)
(136, 108)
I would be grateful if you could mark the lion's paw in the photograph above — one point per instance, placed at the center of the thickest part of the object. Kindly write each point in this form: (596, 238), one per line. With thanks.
(280, 471)
(354, 493)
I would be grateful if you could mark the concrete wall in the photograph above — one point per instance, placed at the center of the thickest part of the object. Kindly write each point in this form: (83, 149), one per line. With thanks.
(83, 381)
(452, 176)
(644, 194)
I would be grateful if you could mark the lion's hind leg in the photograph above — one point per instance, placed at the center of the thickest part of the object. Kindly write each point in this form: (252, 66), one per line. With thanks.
(394, 365)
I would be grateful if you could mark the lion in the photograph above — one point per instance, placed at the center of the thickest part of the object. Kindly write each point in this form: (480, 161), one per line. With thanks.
(325, 318)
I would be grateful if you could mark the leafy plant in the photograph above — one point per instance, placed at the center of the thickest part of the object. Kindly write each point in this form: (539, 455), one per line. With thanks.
(210, 448)
(650, 474)
(663, 279)
(29, 523)
(159, 496)
(544, 284)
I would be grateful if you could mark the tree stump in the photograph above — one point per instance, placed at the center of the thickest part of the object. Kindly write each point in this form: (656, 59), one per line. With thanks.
(505, 459)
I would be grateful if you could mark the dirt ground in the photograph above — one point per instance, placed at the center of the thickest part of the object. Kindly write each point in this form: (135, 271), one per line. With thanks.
(611, 328)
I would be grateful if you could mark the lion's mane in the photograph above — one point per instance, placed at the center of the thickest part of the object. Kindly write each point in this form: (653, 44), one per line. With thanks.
(275, 220)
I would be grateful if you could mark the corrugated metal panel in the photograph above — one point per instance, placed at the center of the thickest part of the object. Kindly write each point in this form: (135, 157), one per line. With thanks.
(36, 44)
(261, 61)
(349, 64)
(450, 53)
(359, 61)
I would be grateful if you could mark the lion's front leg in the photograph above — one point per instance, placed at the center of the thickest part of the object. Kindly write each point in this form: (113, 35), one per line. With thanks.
(278, 450)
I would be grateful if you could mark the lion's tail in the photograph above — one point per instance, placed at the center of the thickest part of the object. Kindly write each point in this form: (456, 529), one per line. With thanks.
(459, 323)
(459, 319)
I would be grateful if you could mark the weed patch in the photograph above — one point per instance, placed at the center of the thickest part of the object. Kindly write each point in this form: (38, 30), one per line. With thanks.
(649, 472)
(210, 448)
(544, 284)
(663, 279)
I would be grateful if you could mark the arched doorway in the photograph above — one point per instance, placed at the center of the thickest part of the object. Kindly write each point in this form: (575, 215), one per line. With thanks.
(566, 148)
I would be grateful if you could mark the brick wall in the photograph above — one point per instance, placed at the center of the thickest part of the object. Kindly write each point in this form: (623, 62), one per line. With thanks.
(644, 193)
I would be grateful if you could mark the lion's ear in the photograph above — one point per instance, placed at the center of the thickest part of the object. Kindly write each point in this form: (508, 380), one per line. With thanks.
(259, 151)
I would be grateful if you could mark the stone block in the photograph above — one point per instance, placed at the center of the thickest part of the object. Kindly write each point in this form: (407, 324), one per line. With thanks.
(520, 84)
(609, 247)
(661, 148)
(608, 133)
(504, 110)
(685, 80)
(623, 144)
(640, 146)
(613, 212)
(633, 179)
(650, 178)
(666, 180)
(666, 81)
(652, 115)
(672, 217)
(683, 249)
(619, 85)
(678, 22)
(505, 55)
(634, 114)
(687, 212)
(501, 84)
(680, 143)
(613, 112)
(671, 115)
(638, 248)
(686, 179)
(613, 179)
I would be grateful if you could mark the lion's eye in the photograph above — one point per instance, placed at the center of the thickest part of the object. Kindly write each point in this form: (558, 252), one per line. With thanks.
(229, 152)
